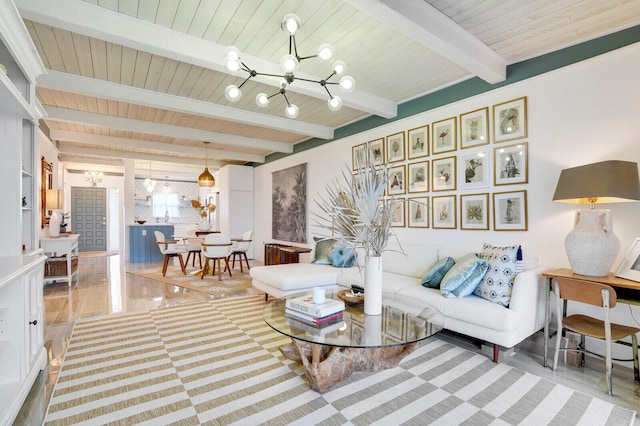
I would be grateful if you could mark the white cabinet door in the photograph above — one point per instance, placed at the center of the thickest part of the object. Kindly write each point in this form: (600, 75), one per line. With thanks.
(34, 325)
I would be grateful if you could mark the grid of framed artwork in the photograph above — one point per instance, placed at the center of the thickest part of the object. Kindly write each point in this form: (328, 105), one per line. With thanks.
(441, 172)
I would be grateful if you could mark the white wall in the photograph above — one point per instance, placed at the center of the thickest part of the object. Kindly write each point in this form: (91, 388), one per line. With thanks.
(580, 114)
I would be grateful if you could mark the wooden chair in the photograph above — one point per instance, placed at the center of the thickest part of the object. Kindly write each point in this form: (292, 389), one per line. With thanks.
(170, 249)
(598, 295)
(239, 249)
(216, 247)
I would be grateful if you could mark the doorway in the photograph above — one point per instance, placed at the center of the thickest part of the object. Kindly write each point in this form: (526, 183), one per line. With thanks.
(89, 218)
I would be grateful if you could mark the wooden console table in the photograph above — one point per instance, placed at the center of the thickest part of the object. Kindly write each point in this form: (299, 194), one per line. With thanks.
(627, 291)
(275, 254)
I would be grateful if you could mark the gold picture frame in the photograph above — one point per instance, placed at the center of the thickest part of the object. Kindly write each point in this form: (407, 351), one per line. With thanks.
(510, 120)
(443, 138)
(510, 211)
(418, 142)
(443, 212)
(474, 128)
(474, 212)
(395, 147)
(511, 164)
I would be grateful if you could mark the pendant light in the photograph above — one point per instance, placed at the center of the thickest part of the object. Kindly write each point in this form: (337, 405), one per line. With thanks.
(206, 179)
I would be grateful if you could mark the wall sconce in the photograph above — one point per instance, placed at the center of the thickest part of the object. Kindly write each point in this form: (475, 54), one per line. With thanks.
(592, 247)
(54, 203)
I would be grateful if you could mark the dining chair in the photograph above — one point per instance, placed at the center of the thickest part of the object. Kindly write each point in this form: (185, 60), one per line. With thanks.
(239, 249)
(596, 294)
(169, 249)
(216, 247)
(193, 244)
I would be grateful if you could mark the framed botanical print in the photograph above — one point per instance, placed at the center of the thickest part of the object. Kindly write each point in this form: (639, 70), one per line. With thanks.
(474, 211)
(443, 174)
(376, 150)
(510, 164)
(474, 128)
(395, 147)
(443, 136)
(474, 170)
(418, 142)
(358, 156)
(510, 211)
(418, 175)
(397, 180)
(418, 212)
(397, 214)
(510, 120)
(443, 212)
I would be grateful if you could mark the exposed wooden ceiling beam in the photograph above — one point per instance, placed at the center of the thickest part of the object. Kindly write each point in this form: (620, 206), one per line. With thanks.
(69, 151)
(104, 89)
(104, 24)
(139, 126)
(162, 148)
(436, 31)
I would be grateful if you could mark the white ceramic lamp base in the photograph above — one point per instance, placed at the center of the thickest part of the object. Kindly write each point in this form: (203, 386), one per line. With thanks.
(592, 247)
(54, 224)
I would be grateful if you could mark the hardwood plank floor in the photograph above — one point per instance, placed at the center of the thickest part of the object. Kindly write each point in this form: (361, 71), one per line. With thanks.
(103, 287)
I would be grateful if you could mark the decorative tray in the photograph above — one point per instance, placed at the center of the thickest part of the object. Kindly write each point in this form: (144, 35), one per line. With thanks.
(351, 298)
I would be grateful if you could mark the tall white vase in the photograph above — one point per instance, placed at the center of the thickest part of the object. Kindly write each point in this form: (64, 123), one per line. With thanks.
(592, 247)
(373, 286)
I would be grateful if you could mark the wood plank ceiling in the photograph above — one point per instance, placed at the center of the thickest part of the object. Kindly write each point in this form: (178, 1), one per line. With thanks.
(145, 79)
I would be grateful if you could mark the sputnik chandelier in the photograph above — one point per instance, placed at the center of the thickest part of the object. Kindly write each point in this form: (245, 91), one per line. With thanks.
(94, 177)
(289, 64)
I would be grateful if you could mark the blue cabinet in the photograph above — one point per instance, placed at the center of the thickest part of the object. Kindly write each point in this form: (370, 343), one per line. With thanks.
(142, 242)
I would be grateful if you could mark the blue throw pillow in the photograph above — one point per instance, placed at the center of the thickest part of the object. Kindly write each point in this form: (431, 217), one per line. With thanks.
(342, 256)
(464, 277)
(433, 278)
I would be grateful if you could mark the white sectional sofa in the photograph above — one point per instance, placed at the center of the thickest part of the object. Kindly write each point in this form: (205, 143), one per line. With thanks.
(472, 315)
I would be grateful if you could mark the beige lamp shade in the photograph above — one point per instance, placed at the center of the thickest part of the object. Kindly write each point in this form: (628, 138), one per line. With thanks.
(605, 182)
(54, 199)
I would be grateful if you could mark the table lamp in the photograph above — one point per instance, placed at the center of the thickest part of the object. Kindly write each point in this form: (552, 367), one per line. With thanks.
(592, 247)
(54, 203)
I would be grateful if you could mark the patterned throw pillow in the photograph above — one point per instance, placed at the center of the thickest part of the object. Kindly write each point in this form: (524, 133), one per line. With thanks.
(504, 265)
(321, 252)
(342, 256)
(464, 277)
(435, 275)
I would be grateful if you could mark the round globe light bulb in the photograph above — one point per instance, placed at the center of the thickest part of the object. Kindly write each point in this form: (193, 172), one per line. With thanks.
(339, 67)
(233, 93)
(232, 64)
(292, 111)
(347, 83)
(233, 52)
(288, 63)
(326, 52)
(335, 103)
(262, 100)
(291, 23)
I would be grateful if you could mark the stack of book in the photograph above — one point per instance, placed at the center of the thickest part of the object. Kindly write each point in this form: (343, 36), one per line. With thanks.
(314, 317)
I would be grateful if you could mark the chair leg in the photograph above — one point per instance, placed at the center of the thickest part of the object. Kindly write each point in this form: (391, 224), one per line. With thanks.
(219, 270)
(199, 259)
(165, 264)
(226, 260)
(182, 265)
(636, 361)
(233, 260)
(206, 267)
(245, 259)
(496, 352)
(266, 297)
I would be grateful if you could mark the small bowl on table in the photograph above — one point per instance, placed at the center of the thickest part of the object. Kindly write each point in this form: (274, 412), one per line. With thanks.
(141, 222)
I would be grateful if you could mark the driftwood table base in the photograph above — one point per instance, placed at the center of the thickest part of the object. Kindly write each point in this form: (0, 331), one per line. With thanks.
(327, 365)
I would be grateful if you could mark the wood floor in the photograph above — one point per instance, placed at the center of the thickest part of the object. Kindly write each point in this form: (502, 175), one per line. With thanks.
(103, 287)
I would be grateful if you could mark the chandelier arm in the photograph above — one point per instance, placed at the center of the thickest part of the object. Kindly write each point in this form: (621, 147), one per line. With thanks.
(328, 92)
(286, 99)
(306, 57)
(330, 75)
(245, 80)
(275, 94)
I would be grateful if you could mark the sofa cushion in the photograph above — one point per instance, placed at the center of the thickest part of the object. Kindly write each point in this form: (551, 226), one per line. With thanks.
(497, 284)
(435, 275)
(412, 260)
(342, 256)
(295, 276)
(321, 251)
(464, 276)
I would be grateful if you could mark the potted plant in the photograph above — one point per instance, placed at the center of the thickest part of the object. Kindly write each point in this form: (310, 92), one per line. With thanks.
(63, 221)
(203, 211)
(356, 212)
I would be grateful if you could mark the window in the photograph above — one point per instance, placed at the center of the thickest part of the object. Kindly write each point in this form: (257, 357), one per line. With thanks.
(164, 202)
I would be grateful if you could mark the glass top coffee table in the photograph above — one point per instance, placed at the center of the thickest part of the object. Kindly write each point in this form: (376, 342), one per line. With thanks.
(355, 342)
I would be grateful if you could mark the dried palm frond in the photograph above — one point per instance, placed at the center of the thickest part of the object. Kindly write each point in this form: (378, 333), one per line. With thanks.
(354, 208)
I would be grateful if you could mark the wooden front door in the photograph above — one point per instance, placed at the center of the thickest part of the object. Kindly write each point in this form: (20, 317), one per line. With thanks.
(89, 218)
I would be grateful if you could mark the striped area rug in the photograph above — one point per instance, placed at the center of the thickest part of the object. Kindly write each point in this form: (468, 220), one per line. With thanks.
(218, 363)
